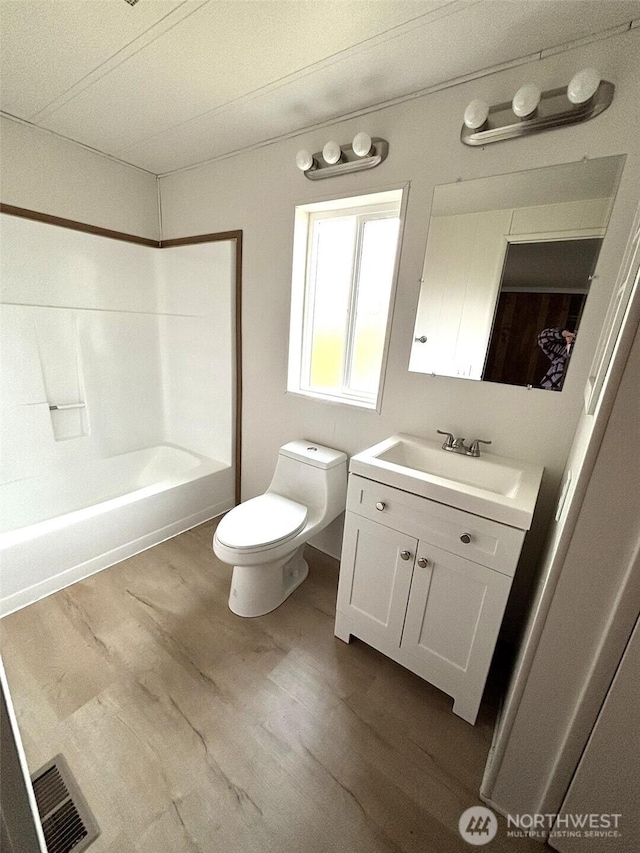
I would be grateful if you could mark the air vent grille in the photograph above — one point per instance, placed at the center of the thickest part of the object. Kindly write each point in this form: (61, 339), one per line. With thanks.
(64, 829)
(67, 822)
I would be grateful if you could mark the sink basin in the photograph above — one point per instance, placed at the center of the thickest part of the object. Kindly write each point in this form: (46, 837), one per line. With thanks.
(481, 474)
(492, 486)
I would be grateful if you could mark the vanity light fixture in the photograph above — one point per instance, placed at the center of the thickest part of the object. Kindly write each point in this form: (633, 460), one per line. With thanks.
(305, 160)
(586, 96)
(476, 114)
(332, 153)
(583, 86)
(525, 101)
(361, 144)
(334, 159)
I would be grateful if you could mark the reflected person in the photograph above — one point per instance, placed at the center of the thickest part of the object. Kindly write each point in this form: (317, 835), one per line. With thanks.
(557, 345)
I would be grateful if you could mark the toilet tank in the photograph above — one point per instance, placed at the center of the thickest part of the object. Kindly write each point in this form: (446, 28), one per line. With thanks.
(313, 475)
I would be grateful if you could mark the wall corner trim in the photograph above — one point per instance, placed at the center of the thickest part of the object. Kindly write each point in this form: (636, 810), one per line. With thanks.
(49, 219)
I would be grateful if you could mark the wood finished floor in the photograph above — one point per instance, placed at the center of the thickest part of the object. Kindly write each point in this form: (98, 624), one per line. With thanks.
(190, 729)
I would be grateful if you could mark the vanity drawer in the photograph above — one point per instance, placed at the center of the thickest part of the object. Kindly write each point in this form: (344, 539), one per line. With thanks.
(489, 543)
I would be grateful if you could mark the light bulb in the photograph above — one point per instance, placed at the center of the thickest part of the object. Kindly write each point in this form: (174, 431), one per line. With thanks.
(526, 100)
(304, 160)
(476, 114)
(361, 144)
(332, 152)
(583, 86)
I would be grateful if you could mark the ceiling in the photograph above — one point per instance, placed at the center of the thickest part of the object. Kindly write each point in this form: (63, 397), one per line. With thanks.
(166, 84)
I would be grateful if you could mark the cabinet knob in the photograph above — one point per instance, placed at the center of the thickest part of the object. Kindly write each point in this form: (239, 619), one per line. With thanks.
(406, 555)
(380, 505)
(466, 538)
(423, 562)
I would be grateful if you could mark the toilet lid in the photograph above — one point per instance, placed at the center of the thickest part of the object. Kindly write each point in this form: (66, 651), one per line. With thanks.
(266, 520)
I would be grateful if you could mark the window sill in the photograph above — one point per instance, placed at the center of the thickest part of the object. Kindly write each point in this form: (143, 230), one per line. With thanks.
(335, 399)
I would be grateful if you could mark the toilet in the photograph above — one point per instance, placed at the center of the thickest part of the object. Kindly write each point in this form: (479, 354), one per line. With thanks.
(263, 538)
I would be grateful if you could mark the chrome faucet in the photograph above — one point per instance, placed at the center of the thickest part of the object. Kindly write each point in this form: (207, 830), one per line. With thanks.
(474, 447)
(457, 445)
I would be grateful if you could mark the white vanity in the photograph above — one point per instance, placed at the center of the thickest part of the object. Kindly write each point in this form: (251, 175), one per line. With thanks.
(431, 544)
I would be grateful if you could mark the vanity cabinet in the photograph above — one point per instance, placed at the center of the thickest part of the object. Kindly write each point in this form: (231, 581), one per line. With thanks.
(426, 584)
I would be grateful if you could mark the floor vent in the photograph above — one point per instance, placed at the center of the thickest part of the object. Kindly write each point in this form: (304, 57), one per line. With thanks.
(66, 819)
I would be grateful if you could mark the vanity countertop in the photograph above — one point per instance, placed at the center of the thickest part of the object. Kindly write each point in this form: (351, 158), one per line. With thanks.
(491, 486)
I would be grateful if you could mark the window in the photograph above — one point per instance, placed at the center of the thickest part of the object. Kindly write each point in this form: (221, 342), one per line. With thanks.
(345, 257)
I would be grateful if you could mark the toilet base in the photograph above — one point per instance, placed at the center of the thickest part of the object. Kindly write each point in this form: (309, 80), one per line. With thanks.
(257, 590)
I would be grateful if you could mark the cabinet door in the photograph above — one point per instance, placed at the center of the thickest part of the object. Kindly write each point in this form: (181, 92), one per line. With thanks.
(375, 576)
(453, 618)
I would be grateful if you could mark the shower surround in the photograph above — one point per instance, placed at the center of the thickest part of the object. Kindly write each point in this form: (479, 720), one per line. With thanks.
(116, 400)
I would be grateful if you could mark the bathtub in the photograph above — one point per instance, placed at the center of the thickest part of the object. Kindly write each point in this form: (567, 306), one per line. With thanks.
(57, 529)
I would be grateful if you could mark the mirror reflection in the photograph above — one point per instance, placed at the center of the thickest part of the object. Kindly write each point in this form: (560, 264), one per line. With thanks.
(508, 267)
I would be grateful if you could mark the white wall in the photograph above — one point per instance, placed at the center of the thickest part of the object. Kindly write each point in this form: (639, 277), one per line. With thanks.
(48, 174)
(257, 192)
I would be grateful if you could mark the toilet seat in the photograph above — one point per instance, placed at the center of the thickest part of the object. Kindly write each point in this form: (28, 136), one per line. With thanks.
(262, 522)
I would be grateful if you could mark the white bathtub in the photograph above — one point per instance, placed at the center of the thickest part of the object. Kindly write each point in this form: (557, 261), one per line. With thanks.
(55, 529)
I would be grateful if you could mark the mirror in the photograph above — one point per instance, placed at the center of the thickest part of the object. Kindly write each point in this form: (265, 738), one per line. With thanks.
(507, 272)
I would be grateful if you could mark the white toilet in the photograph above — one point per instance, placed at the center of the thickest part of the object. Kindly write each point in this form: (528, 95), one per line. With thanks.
(263, 538)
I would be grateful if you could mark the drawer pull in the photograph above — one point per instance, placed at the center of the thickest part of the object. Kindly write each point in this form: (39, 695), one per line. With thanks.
(380, 505)
(466, 538)
(423, 562)
(406, 555)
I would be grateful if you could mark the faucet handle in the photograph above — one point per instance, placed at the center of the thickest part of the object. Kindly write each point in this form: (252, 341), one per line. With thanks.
(449, 439)
(474, 447)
